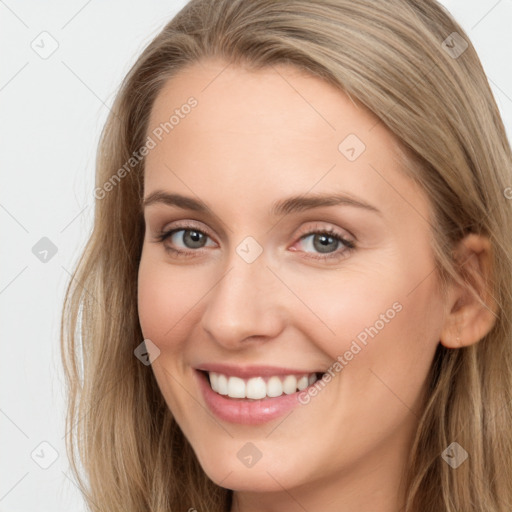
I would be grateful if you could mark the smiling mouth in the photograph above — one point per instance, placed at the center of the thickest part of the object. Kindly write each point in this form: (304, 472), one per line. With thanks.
(259, 387)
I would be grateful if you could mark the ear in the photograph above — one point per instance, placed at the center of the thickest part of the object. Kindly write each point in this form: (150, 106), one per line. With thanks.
(471, 314)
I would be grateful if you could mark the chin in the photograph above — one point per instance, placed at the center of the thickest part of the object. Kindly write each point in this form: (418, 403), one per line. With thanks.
(266, 475)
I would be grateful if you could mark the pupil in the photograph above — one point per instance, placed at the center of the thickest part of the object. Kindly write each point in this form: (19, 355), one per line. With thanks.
(193, 238)
(324, 241)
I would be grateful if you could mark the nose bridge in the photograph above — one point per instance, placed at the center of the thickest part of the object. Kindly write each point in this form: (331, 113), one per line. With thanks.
(244, 301)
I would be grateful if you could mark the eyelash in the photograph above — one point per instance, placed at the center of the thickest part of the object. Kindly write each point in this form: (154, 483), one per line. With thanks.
(349, 245)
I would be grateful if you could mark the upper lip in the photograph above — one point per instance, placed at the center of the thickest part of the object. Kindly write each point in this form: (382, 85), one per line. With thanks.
(245, 372)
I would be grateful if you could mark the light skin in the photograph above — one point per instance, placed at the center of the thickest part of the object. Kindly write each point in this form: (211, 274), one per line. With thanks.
(257, 137)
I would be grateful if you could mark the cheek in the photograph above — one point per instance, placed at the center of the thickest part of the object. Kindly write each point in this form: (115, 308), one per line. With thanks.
(164, 298)
(374, 322)
(358, 303)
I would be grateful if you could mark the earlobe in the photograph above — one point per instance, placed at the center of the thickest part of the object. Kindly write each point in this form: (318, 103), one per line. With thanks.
(471, 308)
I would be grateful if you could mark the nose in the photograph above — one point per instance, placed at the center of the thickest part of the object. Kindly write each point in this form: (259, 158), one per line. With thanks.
(246, 302)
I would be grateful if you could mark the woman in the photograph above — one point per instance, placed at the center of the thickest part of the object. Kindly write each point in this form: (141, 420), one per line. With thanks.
(297, 289)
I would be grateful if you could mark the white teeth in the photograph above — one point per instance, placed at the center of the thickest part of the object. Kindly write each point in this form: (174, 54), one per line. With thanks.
(257, 388)
(222, 384)
(214, 381)
(290, 384)
(274, 387)
(236, 387)
(302, 383)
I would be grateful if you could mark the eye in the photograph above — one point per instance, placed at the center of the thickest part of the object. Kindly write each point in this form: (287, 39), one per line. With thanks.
(327, 243)
(322, 244)
(182, 238)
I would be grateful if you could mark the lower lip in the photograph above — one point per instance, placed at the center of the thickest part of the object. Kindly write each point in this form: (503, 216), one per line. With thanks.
(243, 410)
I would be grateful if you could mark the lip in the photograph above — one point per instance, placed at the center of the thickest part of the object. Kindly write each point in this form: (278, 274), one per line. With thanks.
(246, 411)
(246, 372)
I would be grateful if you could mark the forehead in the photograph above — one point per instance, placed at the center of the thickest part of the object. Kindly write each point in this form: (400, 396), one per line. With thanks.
(254, 134)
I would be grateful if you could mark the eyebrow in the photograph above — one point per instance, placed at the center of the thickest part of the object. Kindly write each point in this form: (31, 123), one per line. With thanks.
(281, 207)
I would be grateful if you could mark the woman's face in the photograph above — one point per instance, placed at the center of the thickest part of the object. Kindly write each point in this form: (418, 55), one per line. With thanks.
(273, 169)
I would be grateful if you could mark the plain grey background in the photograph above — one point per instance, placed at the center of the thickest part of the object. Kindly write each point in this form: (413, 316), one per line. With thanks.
(62, 63)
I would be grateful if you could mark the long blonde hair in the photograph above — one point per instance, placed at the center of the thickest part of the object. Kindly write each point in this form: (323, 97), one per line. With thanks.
(125, 448)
